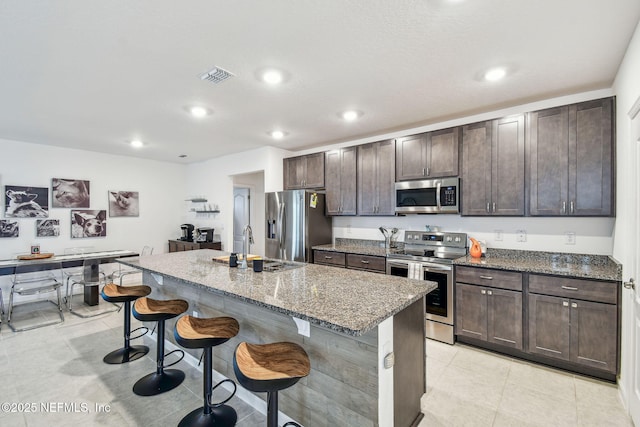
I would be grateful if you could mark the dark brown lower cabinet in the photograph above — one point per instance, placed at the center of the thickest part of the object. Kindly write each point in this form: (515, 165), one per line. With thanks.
(180, 245)
(489, 314)
(578, 331)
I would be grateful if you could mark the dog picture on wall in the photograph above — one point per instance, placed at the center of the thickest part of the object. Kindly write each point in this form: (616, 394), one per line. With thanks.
(69, 193)
(88, 223)
(26, 202)
(124, 203)
(9, 228)
(47, 227)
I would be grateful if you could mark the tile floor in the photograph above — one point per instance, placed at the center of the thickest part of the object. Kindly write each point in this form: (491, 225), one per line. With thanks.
(467, 386)
(62, 364)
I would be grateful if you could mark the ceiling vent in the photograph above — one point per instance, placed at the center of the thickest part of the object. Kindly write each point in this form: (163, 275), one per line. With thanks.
(216, 75)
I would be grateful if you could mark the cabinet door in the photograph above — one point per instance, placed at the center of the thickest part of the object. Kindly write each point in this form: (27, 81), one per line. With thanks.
(471, 311)
(548, 157)
(293, 169)
(411, 157)
(590, 158)
(385, 160)
(504, 318)
(442, 153)
(507, 166)
(314, 171)
(476, 169)
(549, 326)
(333, 182)
(594, 339)
(367, 182)
(348, 180)
(173, 246)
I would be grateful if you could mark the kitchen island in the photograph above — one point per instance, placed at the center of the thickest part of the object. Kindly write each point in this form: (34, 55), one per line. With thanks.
(349, 322)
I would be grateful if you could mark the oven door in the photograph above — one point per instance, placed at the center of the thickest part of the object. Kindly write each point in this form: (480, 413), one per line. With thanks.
(397, 268)
(439, 302)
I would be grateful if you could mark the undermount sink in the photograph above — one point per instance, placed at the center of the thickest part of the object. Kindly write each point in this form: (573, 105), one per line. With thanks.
(275, 265)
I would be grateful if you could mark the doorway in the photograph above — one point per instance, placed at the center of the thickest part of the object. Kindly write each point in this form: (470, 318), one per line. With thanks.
(241, 216)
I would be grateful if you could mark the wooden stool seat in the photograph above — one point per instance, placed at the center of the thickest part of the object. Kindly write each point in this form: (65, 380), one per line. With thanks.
(194, 332)
(114, 293)
(147, 309)
(265, 362)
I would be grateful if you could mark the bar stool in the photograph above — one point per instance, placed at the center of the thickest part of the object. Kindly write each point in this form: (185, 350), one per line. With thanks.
(125, 294)
(150, 310)
(193, 332)
(270, 368)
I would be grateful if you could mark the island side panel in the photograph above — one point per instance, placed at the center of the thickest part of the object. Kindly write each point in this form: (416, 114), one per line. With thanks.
(409, 373)
(342, 388)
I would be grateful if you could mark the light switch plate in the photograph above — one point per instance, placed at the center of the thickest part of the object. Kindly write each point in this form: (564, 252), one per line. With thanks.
(569, 238)
(497, 235)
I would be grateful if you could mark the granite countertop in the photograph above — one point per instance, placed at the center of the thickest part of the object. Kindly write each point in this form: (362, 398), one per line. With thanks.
(355, 249)
(347, 301)
(599, 267)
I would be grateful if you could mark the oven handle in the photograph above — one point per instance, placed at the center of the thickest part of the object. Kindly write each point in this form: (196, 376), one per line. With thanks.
(435, 267)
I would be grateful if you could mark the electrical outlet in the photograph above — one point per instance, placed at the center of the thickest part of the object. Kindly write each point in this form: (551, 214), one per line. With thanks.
(195, 313)
(497, 235)
(521, 235)
(569, 238)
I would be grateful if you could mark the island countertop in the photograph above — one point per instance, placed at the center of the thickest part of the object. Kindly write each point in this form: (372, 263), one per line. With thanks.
(347, 301)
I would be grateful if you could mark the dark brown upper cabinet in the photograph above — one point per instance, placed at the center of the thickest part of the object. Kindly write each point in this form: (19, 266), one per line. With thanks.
(571, 161)
(376, 178)
(493, 167)
(304, 171)
(340, 180)
(427, 155)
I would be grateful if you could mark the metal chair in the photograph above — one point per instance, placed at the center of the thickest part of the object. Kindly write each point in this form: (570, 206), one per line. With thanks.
(68, 273)
(31, 279)
(124, 271)
(91, 277)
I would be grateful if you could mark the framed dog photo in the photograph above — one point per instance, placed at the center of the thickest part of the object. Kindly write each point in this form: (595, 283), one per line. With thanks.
(88, 223)
(69, 193)
(26, 202)
(47, 227)
(124, 203)
(9, 228)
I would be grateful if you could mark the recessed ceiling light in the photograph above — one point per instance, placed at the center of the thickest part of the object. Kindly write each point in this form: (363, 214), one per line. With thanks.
(495, 74)
(350, 115)
(277, 134)
(136, 143)
(199, 112)
(272, 77)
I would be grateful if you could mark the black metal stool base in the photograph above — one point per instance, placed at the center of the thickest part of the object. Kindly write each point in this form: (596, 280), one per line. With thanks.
(155, 383)
(222, 415)
(124, 355)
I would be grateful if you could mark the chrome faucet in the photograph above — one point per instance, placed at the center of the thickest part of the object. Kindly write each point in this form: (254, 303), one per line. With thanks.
(247, 235)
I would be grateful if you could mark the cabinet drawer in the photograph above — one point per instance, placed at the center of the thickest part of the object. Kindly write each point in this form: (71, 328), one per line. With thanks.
(589, 290)
(488, 277)
(329, 258)
(366, 262)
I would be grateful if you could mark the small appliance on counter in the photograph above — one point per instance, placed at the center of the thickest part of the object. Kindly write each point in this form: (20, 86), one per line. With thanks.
(205, 234)
(187, 231)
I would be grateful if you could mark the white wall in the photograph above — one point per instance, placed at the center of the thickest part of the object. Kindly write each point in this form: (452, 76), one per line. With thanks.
(627, 89)
(161, 187)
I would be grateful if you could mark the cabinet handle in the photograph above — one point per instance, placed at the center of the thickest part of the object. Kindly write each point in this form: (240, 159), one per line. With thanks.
(364, 261)
(488, 209)
(574, 305)
(494, 207)
(483, 292)
(489, 292)
(428, 172)
(487, 277)
(564, 207)
(328, 257)
(571, 208)
(423, 172)
(565, 303)
(569, 288)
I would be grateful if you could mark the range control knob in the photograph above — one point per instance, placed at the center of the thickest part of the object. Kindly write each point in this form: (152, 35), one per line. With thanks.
(458, 239)
(449, 238)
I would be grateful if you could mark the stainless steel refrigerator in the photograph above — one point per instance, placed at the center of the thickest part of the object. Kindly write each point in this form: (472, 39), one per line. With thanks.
(296, 221)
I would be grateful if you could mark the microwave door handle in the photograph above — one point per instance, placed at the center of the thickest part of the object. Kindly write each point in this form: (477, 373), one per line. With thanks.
(438, 184)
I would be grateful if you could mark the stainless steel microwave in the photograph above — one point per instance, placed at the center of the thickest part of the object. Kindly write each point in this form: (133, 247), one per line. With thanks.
(428, 196)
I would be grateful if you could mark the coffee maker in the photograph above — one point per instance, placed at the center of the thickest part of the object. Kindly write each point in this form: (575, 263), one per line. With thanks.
(205, 234)
(187, 232)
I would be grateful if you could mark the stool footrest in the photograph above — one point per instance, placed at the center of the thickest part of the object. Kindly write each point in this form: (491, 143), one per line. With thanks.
(292, 423)
(222, 402)
(177, 361)
(146, 331)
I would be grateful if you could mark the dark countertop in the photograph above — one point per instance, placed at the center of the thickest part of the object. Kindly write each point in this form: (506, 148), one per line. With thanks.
(355, 249)
(347, 301)
(599, 267)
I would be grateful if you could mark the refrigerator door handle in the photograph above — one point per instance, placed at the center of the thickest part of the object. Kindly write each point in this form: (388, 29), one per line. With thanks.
(281, 228)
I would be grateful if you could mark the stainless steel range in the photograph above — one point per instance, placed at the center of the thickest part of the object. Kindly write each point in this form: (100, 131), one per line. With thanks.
(429, 256)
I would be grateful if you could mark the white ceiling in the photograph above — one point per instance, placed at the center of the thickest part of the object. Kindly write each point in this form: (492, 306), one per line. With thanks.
(93, 74)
